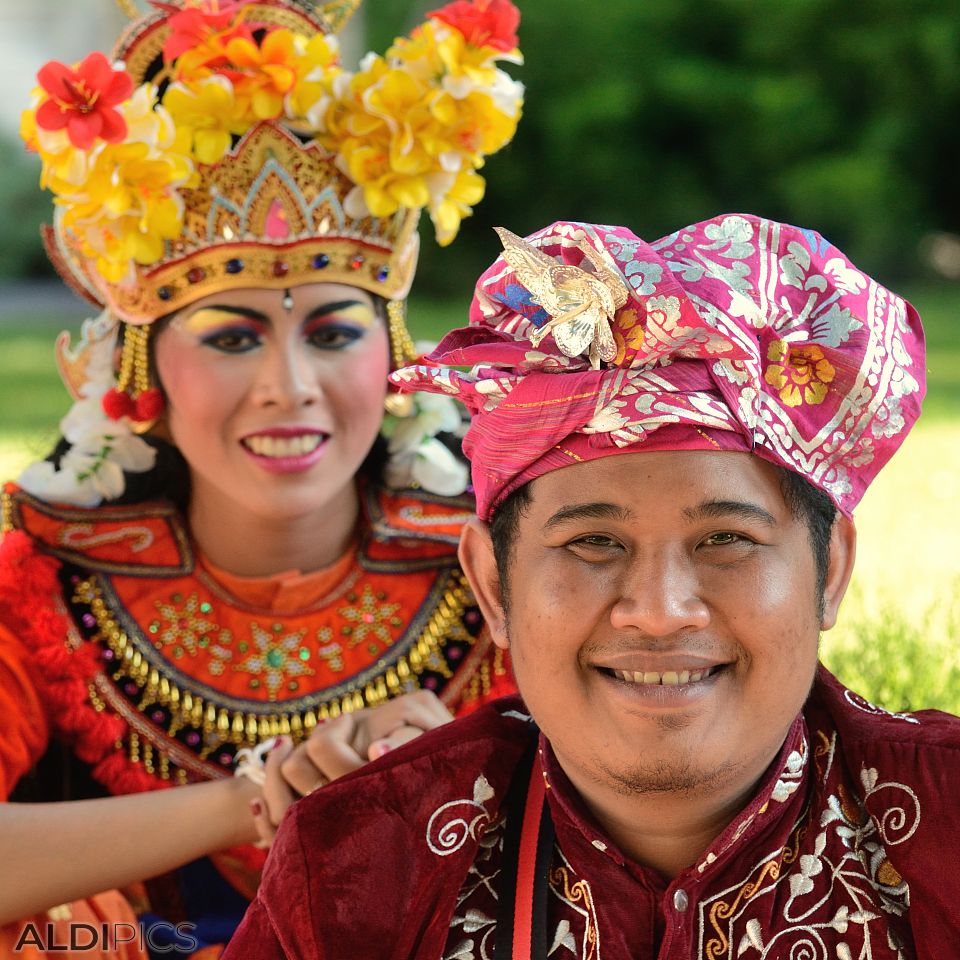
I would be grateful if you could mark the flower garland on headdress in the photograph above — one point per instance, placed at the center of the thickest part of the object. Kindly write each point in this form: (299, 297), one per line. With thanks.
(410, 129)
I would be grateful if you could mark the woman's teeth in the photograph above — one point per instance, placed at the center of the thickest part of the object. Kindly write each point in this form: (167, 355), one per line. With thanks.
(667, 678)
(277, 447)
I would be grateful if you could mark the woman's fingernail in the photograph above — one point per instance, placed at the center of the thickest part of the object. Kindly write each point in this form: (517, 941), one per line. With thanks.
(278, 743)
(380, 749)
(256, 807)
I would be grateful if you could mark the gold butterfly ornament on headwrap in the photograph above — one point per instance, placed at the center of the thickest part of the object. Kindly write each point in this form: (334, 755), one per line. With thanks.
(581, 303)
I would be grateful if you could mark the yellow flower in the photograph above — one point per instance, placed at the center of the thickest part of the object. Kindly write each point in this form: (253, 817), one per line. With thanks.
(207, 109)
(263, 74)
(628, 331)
(127, 202)
(474, 125)
(800, 373)
(455, 203)
(316, 67)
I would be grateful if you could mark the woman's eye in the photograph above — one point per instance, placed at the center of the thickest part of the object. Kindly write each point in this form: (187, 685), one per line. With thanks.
(332, 336)
(234, 340)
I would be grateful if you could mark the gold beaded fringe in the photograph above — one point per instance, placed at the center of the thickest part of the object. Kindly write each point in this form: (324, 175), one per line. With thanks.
(222, 726)
(135, 360)
(402, 350)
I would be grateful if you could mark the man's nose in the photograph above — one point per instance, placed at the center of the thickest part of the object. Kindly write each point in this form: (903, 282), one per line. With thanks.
(659, 595)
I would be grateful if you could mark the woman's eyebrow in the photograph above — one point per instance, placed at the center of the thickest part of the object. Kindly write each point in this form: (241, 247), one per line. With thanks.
(327, 308)
(248, 312)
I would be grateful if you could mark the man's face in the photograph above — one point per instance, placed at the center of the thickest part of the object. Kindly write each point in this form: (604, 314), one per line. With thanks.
(663, 617)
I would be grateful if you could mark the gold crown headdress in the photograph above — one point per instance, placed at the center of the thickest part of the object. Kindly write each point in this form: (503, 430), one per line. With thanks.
(225, 146)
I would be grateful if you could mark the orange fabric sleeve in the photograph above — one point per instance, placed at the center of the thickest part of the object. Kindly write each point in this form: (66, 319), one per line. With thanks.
(22, 718)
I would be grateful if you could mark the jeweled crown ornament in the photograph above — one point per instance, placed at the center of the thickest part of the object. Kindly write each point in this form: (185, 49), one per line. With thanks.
(224, 145)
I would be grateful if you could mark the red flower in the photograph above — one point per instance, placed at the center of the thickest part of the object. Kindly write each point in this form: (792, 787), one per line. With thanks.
(191, 25)
(483, 23)
(82, 99)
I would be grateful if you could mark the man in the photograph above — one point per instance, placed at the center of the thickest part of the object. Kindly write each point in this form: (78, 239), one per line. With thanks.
(668, 441)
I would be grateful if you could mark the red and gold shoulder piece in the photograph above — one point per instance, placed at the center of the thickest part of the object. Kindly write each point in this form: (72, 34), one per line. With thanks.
(142, 540)
(414, 524)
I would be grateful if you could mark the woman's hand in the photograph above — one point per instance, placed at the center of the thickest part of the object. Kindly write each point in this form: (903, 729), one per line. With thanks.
(338, 747)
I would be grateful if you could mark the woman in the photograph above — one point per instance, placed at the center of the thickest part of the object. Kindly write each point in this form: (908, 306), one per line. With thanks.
(211, 559)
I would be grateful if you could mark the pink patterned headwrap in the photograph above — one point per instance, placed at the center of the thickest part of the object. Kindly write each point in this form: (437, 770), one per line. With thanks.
(737, 333)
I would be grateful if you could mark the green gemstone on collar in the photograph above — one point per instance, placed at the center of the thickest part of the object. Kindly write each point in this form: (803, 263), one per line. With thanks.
(206, 607)
(275, 658)
(304, 653)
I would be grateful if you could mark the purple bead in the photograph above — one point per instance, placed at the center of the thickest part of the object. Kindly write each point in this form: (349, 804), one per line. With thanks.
(472, 616)
(75, 579)
(430, 683)
(89, 620)
(226, 759)
(157, 716)
(108, 654)
(193, 738)
(130, 689)
(454, 653)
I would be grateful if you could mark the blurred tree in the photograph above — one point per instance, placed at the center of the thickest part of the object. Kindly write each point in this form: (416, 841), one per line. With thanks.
(24, 208)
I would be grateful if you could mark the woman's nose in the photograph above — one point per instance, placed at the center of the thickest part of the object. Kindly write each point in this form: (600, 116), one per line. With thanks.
(288, 377)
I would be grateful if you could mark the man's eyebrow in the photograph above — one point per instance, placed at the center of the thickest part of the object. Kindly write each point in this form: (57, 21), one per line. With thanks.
(723, 509)
(327, 308)
(590, 511)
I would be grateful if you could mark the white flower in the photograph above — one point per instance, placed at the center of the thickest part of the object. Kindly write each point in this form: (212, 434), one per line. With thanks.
(101, 449)
(417, 458)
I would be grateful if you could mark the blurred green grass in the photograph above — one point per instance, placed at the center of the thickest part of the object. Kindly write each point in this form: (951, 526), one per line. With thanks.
(896, 639)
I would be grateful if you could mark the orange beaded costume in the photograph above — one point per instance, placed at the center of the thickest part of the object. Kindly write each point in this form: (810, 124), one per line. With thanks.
(120, 641)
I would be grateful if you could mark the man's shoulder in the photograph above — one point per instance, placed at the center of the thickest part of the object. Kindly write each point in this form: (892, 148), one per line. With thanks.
(868, 728)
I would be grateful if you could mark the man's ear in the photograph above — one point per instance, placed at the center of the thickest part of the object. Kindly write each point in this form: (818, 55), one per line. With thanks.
(843, 552)
(480, 566)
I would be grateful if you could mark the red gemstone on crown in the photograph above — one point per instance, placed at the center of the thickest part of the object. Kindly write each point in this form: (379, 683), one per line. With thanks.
(196, 274)
(280, 268)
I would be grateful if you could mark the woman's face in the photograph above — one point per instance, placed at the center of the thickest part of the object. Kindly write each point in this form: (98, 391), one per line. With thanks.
(275, 407)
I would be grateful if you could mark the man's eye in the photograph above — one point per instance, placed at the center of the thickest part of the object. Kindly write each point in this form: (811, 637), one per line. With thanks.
(333, 337)
(723, 539)
(594, 545)
(232, 341)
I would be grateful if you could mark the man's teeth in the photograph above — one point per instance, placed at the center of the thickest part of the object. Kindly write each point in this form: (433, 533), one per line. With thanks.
(668, 678)
(266, 446)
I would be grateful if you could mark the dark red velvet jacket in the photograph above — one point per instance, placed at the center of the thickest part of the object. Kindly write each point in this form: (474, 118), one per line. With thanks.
(849, 850)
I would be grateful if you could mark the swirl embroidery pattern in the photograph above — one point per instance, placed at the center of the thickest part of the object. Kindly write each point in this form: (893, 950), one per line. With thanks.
(447, 836)
(839, 897)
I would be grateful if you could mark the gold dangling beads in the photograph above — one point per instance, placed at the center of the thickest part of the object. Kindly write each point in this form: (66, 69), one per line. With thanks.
(402, 354)
(133, 397)
(402, 350)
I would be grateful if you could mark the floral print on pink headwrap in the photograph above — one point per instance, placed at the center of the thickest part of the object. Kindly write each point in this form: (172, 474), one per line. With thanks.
(737, 333)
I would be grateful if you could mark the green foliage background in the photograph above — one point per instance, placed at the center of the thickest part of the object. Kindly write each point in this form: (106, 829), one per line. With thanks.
(658, 113)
